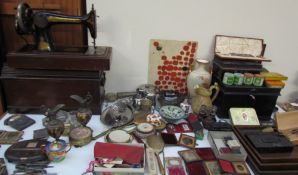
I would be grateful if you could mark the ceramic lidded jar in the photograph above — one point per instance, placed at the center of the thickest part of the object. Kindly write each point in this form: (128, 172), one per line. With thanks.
(200, 76)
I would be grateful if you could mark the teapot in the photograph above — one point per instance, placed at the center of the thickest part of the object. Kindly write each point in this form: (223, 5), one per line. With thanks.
(203, 97)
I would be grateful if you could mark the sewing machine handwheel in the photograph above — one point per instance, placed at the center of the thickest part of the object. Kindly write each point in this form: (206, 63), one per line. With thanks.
(24, 19)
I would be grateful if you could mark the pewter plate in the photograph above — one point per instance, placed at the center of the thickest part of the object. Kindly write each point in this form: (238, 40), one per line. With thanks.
(116, 116)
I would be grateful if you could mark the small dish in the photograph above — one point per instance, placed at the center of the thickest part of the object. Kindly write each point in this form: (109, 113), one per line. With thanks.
(172, 113)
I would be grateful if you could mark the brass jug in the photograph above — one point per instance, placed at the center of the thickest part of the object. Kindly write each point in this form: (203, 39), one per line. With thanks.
(203, 97)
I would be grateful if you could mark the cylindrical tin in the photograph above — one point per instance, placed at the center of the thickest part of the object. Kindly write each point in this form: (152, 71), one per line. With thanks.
(146, 104)
(80, 136)
(228, 78)
(238, 78)
(144, 130)
(248, 79)
(258, 80)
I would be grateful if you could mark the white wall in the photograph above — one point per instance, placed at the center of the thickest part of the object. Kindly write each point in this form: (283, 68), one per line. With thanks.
(128, 25)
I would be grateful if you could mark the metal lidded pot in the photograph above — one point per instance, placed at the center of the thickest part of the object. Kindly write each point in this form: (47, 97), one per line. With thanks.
(148, 91)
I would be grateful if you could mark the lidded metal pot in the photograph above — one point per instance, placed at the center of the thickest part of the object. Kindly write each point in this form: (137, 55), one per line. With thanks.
(148, 91)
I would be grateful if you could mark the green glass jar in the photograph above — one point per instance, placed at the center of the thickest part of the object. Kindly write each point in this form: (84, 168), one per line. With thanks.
(228, 78)
(258, 80)
(238, 78)
(248, 79)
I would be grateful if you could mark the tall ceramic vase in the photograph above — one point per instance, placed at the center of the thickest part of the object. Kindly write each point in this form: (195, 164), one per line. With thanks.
(200, 76)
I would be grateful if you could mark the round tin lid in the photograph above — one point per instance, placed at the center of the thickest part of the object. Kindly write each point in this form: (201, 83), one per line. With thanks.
(119, 136)
(80, 133)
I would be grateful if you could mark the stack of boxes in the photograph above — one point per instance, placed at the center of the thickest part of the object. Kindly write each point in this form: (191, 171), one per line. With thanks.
(238, 69)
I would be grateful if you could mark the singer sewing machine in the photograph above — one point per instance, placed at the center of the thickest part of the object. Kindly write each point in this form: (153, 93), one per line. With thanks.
(46, 54)
(39, 24)
(50, 70)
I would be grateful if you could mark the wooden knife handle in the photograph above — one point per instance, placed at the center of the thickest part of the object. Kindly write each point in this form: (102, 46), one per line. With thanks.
(161, 168)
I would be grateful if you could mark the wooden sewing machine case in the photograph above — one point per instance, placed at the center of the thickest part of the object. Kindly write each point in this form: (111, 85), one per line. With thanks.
(31, 78)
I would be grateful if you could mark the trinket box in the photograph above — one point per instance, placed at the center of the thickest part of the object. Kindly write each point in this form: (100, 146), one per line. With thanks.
(179, 128)
(26, 151)
(80, 136)
(133, 154)
(239, 48)
(174, 165)
(226, 166)
(169, 138)
(266, 163)
(218, 142)
(189, 156)
(212, 167)
(195, 168)
(118, 136)
(244, 116)
(270, 142)
(262, 99)
(241, 168)
(144, 130)
(19, 121)
(187, 141)
(10, 137)
(205, 153)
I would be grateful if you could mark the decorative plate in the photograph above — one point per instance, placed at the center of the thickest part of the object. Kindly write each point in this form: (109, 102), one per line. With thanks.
(172, 113)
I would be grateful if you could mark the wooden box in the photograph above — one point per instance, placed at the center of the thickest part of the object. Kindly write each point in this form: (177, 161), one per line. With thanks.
(212, 135)
(263, 99)
(67, 58)
(267, 163)
(287, 123)
(239, 48)
(24, 90)
(122, 171)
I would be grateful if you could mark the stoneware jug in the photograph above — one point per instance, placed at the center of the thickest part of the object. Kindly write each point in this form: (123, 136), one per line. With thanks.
(203, 97)
(200, 76)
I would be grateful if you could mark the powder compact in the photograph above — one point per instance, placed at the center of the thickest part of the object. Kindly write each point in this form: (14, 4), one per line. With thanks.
(80, 136)
(118, 136)
(144, 130)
